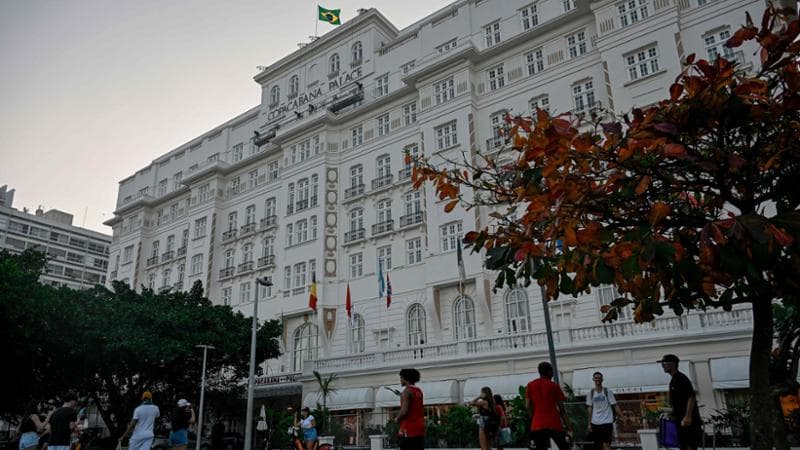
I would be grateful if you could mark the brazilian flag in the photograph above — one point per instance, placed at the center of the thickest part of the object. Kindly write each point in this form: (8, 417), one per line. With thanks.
(329, 15)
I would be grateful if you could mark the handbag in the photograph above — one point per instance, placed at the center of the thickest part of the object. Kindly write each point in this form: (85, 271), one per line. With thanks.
(504, 436)
(668, 433)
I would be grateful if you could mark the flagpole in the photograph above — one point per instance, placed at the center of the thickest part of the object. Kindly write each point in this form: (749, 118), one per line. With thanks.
(316, 22)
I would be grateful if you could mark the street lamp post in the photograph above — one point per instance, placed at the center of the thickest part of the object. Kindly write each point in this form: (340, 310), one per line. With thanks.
(547, 326)
(248, 424)
(202, 393)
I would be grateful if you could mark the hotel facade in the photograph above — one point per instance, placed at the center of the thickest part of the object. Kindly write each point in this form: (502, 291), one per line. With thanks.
(311, 184)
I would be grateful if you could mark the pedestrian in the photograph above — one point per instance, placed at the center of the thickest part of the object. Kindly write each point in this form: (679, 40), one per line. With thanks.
(308, 424)
(411, 417)
(504, 433)
(182, 417)
(603, 412)
(489, 420)
(140, 429)
(63, 422)
(684, 404)
(545, 403)
(30, 427)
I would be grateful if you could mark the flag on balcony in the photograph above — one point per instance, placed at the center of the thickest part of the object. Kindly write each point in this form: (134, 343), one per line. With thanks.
(312, 296)
(381, 287)
(348, 305)
(329, 15)
(388, 291)
(462, 273)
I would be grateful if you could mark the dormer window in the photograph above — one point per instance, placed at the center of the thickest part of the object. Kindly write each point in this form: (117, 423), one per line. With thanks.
(334, 64)
(357, 53)
(294, 86)
(275, 96)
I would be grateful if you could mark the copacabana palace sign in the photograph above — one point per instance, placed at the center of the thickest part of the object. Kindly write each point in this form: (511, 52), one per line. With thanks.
(305, 98)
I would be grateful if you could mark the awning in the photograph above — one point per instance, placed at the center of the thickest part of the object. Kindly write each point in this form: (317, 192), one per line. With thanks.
(730, 373)
(354, 398)
(278, 390)
(625, 379)
(433, 393)
(506, 386)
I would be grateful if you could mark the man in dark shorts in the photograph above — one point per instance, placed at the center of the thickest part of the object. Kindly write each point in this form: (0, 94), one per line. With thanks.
(63, 422)
(545, 402)
(684, 404)
(411, 417)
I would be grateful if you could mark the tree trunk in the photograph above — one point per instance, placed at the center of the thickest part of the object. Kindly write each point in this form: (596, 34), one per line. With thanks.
(761, 401)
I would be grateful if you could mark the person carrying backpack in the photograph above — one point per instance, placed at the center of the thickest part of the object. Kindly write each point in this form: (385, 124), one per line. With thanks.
(603, 412)
(489, 421)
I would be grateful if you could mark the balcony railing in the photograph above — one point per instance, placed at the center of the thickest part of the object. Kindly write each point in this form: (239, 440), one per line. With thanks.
(383, 227)
(228, 235)
(355, 235)
(382, 182)
(588, 108)
(246, 267)
(152, 261)
(227, 272)
(248, 228)
(166, 256)
(411, 219)
(266, 261)
(301, 205)
(354, 191)
(494, 143)
(404, 174)
(269, 221)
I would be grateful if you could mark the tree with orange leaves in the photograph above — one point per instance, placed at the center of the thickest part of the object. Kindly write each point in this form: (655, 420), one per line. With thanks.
(688, 204)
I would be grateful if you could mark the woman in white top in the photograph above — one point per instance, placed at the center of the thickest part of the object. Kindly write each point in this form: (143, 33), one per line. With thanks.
(309, 427)
(602, 407)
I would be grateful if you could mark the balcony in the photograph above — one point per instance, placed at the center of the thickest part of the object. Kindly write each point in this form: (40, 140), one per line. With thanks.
(353, 192)
(494, 144)
(181, 252)
(178, 286)
(247, 229)
(269, 222)
(411, 219)
(382, 182)
(228, 235)
(404, 175)
(266, 261)
(113, 275)
(261, 139)
(246, 267)
(301, 205)
(354, 235)
(166, 256)
(227, 272)
(152, 261)
(591, 108)
(354, 97)
(383, 227)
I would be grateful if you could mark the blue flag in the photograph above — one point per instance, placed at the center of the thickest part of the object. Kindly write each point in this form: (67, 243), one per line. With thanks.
(381, 287)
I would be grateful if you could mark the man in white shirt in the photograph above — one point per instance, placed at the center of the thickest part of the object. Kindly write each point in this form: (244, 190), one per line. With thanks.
(601, 406)
(144, 419)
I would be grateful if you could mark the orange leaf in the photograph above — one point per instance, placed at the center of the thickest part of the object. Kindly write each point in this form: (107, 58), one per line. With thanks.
(675, 150)
(658, 212)
(644, 183)
(675, 91)
(450, 206)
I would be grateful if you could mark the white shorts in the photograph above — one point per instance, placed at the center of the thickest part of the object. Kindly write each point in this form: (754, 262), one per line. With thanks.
(140, 443)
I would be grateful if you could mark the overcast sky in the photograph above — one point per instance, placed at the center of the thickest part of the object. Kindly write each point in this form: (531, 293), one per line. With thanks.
(93, 90)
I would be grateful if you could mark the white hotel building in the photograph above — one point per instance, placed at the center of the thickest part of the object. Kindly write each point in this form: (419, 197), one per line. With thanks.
(312, 181)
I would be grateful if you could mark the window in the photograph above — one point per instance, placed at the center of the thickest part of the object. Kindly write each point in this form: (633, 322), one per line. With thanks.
(247, 252)
(270, 208)
(384, 165)
(304, 150)
(313, 224)
(250, 214)
(333, 63)
(197, 264)
(464, 315)
(244, 292)
(407, 67)
(385, 258)
(268, 246)
(181, 272)
(165, 277)
(715, 44)
(496, 78)
(540, 102)
(356, 219)
(230, 259)
(162, 187)
(530, 17)
(294, 85)
(444, 91)
(265, 291)
(127, 254)
(306, 345)
(302, 194)
(356, 176)
(518, 317)
(170, 243)
(357, 337)
(446, 136)
(415, 324)
(535, 61)
(290, 198)
(226, 296)
(583, 95)
(252, 179)
(413, 202)
(414, 251)
(238, 152)
(382, 123)
(232, 219)
(447, 46)
(606, 294)
(356, 53)
(413, 151)
(450, 234)
(356, 265)
(300, 275)
(185, 238)
(289, 235)
(176, 180)
(151, 281)
(642, 63)
(358, 136)
(491, 34)
(302, 231)
(204, 193)
(287, 278)
(236, 185)
(568, 5)
(632, 11)
(272, 171)
(314, 189)
(155, 251)
(410, 113)
(382, 86)
(275, 96)
(576, 44)
(316, 144)
(498, 124)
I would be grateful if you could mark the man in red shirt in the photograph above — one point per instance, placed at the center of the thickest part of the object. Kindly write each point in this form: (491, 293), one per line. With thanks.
(412, 412)
(545, 402)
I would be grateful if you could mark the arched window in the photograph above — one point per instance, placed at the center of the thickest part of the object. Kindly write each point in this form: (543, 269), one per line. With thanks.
(306, 345)
(518, 318)
(464, 315)
(415, 324)
(275, 95)
(357, 337)
(334, 63)
(294, 85)
(357, 52)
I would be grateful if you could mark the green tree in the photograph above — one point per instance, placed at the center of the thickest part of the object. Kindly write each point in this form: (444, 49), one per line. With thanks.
(326, 388)
(688, 204)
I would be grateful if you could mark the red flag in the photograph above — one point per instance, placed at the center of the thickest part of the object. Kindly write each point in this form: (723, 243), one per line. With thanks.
(349, 304)
(388, 291)
(312, 297)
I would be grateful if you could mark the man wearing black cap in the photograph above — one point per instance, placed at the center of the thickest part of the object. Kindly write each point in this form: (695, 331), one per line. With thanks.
(684, 404)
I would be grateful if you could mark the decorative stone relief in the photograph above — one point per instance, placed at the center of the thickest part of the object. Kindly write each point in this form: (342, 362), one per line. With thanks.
(331, 203)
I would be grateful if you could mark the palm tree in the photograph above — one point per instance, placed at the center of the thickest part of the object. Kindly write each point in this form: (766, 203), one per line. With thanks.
(325, 389)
